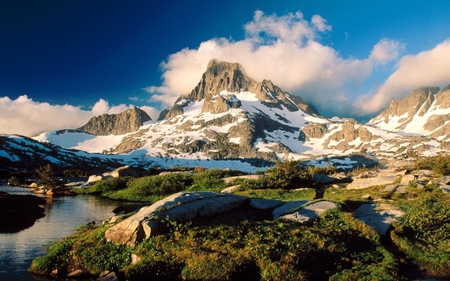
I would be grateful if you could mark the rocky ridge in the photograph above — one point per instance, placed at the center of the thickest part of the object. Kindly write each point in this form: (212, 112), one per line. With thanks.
(229, 116)
(425, 111)
(128, 121)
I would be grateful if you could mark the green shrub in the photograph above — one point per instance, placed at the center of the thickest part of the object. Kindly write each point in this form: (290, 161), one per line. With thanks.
(152, 188)
(87, 249)
(106, 186)
(440, 164)
(423, 233)
(15, 181)
(209, 180)
(280, 194)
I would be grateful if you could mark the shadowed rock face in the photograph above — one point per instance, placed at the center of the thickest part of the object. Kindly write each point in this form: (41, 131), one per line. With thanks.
(117, 124)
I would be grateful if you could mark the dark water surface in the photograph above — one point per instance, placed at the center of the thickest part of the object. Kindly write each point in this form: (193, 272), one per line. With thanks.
(62, 216)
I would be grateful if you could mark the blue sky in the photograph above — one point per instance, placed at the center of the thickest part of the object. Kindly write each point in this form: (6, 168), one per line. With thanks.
(62, 62)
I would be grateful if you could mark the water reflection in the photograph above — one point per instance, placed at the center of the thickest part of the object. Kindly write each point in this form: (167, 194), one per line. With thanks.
(62, 216)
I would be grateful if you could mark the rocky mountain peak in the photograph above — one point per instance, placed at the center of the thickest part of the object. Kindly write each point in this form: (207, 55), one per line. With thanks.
(220, 77)
(417, 103)
(116, 124)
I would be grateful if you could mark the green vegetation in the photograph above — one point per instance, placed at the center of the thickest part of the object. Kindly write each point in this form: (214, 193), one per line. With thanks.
(87, 250)
(423, 234)
(232, 247)
(440, 165)
(248, 245)
(45, 173)
(280, 194)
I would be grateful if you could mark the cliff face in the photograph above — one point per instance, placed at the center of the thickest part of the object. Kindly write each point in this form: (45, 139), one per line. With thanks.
(116, 124)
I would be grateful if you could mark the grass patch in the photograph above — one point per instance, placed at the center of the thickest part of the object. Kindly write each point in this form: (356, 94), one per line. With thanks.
(423, 233)
(280, 194)
(332, 248)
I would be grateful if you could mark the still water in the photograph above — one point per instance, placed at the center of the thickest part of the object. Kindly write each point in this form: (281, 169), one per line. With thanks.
(62, 216)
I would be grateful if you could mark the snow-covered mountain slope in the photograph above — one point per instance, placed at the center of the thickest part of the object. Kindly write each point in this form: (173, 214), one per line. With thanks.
(19, 152)
(424, 112)
(230, 119)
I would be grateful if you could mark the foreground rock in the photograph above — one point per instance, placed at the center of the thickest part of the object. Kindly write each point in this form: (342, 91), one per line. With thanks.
(19, 212)
(310, 212)
(378, 216)
(178, 207)
(368, 182)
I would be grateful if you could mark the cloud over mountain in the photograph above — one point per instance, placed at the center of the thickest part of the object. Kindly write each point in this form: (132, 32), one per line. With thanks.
(428, 68)
(287, 50)
(27, 117)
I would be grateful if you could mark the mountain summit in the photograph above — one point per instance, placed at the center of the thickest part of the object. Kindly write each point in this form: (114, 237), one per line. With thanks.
(225, 77)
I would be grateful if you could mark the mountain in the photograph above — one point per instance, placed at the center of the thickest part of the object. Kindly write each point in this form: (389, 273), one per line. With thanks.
(20, 154)
(116, 124)
(229, 120)
(424, 112)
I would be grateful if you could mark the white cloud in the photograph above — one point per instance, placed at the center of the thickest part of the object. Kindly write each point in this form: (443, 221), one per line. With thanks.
(27, 117)
(428, 68)
(283, 49)
(386, 50)
(320, 23)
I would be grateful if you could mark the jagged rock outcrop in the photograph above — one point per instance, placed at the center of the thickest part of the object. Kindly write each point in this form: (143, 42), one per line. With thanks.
(417, 102)
(116, 124)
(425, 111)
(228, 77)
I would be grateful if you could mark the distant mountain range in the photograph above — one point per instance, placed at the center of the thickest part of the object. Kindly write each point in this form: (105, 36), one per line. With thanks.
(231, 120)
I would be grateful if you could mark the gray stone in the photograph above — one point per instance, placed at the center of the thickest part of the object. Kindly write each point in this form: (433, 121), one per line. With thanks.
(406, 179)
(94, 178)
(231, 189)
(401, 189)
(177, 207)
(288, 207)
(379, 217)
(78, 273)
(109, 276)
(310, 212)
(389, 187)
(368, 182)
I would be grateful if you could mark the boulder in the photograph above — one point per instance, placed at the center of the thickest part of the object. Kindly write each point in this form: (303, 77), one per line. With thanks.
(177, 207)
(288, 207)
(108, 276)
(231, 189)
(310, 212)
(443, 182)
(378, 216)
(94, 178)
(368, 182)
